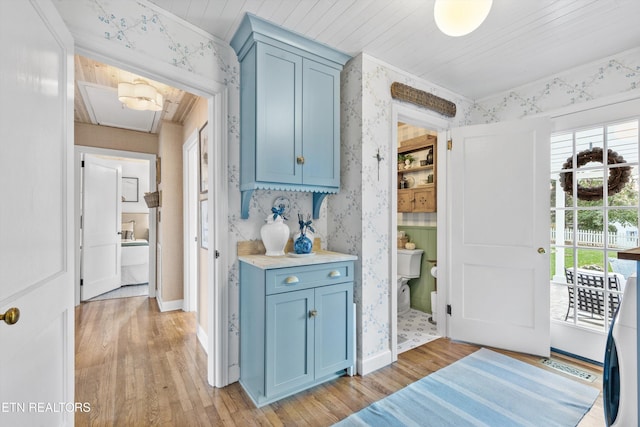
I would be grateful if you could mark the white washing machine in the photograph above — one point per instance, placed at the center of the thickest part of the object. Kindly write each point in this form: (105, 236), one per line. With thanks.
(620, 378)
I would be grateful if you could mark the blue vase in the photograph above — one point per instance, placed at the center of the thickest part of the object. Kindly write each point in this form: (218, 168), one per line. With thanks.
(302, 245)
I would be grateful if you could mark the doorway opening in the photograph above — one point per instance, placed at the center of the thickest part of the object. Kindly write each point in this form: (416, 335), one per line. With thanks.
(417, 192)
(117, 231)
(214, 308)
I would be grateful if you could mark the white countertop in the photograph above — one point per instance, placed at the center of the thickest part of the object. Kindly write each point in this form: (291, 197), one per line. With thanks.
(321, 257)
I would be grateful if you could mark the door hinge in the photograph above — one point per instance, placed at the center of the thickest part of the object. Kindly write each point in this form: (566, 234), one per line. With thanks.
(449, 309)
(81, 282)
(449, 144)
(82, 163)
(217, 254)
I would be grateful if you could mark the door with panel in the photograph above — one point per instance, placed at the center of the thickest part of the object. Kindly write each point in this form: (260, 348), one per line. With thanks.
(36, 231)
(499, 238)
(333, 328)
(101, 226)
(289, 357)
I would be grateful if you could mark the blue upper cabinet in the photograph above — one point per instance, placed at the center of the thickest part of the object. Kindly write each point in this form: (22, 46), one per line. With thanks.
(289, 112)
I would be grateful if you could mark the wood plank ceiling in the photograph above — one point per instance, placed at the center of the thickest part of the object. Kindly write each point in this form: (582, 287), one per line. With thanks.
(101, 110)
(521, 41)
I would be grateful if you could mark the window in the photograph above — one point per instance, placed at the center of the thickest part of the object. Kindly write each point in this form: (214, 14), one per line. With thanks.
(590, 221)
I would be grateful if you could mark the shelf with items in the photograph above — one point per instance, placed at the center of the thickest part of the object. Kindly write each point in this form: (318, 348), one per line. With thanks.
(417, 184)
(415, 169)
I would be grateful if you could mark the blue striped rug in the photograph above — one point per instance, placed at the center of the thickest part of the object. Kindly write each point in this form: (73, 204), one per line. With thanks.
(483, 389)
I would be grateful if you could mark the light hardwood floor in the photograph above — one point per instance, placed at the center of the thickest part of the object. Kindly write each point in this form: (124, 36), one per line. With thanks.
(137, 367)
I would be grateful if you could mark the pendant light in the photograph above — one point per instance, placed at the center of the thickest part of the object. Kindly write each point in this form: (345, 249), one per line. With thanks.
(140, 95)
(460, 17)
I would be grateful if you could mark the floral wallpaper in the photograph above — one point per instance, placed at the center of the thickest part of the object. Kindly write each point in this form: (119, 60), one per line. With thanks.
(616, 74)
(360, 213)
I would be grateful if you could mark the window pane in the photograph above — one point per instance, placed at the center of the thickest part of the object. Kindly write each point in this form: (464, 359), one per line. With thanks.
(590, 187)
(588, 139)
(623, 229)
(622, 138)
(559, 197)
(590, 228)
(591, 259)
(562, 227)
(628, 195)
(561, 150)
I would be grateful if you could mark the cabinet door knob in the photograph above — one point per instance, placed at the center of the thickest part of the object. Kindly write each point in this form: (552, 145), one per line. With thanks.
(335, 273)
(300, 160)
(313, 313)
(291, 279)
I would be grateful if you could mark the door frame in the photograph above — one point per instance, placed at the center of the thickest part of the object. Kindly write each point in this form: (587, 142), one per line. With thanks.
(216, 94)
(427, 120)
(190, 207)
(568, 338)
(79, 151)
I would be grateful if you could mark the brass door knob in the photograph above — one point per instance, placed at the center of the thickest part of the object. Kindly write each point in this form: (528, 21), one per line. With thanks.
(313, 313)
(541, 251)
(300, 160)
(11, 316)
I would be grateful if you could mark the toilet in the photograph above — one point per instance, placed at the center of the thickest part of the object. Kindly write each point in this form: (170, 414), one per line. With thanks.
(409, 263)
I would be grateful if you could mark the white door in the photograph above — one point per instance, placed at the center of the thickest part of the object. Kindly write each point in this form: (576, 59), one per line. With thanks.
(36, 215)
(498, 188)
(101, 226)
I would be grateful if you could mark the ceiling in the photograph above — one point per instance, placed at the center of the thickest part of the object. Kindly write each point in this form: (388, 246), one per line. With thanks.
(521, 40)
(96, 99)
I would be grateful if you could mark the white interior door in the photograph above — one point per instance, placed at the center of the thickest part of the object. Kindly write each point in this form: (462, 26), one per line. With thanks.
(499, 210)
(36, 215)
(101, 228)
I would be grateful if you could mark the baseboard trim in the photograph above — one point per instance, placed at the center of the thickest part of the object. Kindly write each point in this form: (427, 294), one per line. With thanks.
(374, 363)
(163, 306)
(202, 338)
(234, 373)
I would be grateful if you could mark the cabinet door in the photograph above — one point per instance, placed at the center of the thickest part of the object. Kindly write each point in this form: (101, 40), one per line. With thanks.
(320, 124)
(333, 328)
(425, 200)
(405, 200)
(289, 342)
(278, 115)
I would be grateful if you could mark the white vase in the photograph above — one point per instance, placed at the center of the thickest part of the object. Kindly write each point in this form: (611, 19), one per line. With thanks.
(275, 234)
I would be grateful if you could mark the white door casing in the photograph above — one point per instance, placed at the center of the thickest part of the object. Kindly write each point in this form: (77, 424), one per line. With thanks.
(190, 208)
(101, 226)
(498, 195)
(36, 221)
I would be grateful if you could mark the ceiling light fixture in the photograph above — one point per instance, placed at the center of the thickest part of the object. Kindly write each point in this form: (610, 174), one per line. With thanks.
(140, 95)
(460, 17)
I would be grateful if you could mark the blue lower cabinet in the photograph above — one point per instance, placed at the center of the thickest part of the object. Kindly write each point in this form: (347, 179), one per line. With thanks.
(295, 339)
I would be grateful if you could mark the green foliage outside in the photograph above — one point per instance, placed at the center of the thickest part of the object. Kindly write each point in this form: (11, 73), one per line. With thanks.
(594, 219)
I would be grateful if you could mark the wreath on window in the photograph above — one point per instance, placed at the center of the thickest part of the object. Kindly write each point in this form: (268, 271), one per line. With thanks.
(618, 177)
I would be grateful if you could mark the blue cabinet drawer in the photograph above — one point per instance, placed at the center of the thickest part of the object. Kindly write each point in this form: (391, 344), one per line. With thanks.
(310, 276)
